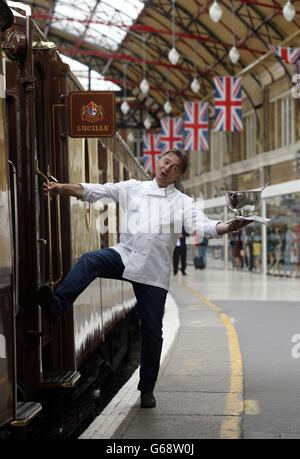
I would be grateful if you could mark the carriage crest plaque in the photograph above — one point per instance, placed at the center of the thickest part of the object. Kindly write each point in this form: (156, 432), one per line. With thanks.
(91, 114)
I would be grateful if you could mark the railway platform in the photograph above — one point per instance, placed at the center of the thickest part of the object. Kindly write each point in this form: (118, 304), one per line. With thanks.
(199, 390)
(223, 376)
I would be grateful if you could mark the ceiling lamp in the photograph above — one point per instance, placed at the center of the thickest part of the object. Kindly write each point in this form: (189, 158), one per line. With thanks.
(173, 56)
(173, 53)
(195, 86)
(215, 12)
(125, 107)
(234, 55)
(147, 123)
(130, 137)
(168, 107)
(144, 86)
(289, 11)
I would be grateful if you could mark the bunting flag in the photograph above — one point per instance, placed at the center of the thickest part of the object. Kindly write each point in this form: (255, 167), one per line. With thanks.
(171, 135)
(287, 55)
(228, 104)
(151, 151)
(195, 126)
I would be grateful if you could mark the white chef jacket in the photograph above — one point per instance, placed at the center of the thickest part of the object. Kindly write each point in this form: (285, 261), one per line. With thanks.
(152, 222)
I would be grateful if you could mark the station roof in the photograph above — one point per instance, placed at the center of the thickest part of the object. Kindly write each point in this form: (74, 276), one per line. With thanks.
(125, 40)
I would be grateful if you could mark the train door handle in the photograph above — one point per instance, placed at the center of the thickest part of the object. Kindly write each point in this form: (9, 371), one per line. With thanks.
(17, 252)
(39, 173)
(59, 231)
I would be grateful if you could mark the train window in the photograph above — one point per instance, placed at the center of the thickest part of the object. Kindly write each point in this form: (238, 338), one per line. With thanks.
(102, 162)
(116, 170)
(125, 174)
(102, 165)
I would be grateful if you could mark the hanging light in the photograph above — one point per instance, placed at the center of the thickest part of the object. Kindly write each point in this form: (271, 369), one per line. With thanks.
(173, 53)
(195, 86)
(130, 137)
(234, 55)
(147, 123)
(125, 107)
(144, 86)
(289, 11)
(215, 11)
(173, 56)
(168, 107)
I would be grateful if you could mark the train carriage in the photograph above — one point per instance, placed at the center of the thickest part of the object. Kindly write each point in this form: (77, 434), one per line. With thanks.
(7, 334)
(40, 239)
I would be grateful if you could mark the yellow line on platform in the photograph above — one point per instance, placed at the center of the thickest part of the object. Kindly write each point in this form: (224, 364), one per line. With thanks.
(234, 407)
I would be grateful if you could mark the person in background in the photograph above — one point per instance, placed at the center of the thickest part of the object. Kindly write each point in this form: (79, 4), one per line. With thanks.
(237, 245)
(249, 250)
(201, 249)
(180, 253)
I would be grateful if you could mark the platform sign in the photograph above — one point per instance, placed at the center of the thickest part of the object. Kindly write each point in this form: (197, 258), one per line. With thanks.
(91, 114)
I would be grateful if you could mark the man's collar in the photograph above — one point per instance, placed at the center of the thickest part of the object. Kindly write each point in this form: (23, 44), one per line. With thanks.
(155, 189)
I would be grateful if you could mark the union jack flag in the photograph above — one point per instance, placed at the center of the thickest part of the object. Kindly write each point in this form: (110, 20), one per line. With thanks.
(171, 133)
(151, 151)
(287, 55)
(195, 126)
(228, 104)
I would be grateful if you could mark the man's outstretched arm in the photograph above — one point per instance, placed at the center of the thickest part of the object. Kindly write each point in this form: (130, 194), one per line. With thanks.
(91, 192)
(231, 226)
(63, 188)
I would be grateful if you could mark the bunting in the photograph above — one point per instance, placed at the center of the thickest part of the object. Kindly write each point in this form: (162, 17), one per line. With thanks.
(195, 126)
(228, 104)
(171, 133)
(287, 55)
(151, 151)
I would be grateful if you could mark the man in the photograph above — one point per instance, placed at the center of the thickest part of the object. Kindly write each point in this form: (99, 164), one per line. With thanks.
(154, 212)
(180, 253)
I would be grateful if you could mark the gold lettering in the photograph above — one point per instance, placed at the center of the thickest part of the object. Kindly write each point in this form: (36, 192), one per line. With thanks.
(95, 128)
(98, 128)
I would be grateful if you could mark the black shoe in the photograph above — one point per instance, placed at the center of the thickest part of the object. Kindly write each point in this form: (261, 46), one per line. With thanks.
(49, 303)
(148, 400)
(175, 272)
(184, 273)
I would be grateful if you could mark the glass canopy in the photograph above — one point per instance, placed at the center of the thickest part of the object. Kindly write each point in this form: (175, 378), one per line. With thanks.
(103, 23)
(96, 83)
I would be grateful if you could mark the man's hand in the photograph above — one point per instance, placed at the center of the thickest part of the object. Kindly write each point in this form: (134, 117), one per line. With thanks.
(53, 188)
(232, 225)
(62, 188)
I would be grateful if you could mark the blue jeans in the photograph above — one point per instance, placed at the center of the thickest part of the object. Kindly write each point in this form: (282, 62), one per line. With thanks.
(107, 263)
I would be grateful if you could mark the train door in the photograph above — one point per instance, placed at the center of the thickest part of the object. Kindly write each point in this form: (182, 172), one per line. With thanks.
(44, 214)
(19, 116)
(7, 341)
(57, 342)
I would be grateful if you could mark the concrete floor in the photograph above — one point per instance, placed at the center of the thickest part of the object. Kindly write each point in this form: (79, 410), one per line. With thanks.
(232, 369)
(266, 314)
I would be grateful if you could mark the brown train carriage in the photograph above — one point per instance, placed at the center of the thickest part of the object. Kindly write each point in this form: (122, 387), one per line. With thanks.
(41, 239)
(7, 376)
